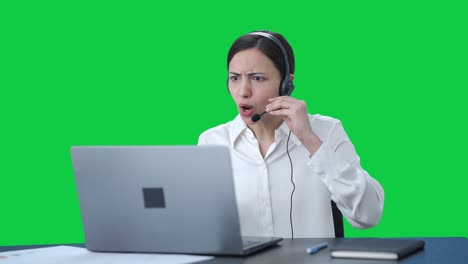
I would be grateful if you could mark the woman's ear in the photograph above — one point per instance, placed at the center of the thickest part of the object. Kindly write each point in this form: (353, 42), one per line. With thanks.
(291, 77)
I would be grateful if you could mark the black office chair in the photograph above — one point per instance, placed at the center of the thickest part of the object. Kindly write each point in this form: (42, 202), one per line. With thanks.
(337, 220)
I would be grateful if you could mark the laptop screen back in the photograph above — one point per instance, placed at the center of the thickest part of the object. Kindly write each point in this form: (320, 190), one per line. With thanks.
(172, 199)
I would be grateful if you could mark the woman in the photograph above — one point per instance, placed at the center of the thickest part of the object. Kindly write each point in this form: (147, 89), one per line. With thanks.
(288, 164)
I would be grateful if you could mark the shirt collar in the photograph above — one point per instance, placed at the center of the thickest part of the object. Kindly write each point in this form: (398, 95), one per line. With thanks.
(284, 129)
(238, 127)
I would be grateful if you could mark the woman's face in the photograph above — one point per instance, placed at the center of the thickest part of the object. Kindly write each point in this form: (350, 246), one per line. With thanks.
(253, 79)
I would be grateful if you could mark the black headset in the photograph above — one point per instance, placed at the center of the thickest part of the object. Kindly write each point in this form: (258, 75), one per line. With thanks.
(287, 86)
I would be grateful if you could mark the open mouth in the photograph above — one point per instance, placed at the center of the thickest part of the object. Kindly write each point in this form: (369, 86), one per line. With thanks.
(246, 110)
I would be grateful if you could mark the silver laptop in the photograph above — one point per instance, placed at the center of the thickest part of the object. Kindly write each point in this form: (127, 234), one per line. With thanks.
(166, 199)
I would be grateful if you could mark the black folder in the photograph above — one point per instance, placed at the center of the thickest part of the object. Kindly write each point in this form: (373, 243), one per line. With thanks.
(376, 248)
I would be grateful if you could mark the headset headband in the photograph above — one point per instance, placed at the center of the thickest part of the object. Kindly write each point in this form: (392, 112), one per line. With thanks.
(280, 45)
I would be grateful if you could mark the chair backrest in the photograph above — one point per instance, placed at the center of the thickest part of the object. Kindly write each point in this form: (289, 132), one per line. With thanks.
(337, 220)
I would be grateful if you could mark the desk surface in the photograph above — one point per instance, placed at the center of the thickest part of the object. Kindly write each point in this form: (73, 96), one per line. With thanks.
(437, 250)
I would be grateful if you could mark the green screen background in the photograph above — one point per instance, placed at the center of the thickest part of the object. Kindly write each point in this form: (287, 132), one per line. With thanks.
(144, 73)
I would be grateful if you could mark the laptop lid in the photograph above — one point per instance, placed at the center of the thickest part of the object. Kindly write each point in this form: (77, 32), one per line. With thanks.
(170, 199)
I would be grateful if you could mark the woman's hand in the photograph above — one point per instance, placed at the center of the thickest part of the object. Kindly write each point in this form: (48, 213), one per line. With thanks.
(294, 113)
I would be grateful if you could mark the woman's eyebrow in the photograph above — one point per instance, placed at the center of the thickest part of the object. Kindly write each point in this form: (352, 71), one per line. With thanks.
(249, 74)
(255, 73)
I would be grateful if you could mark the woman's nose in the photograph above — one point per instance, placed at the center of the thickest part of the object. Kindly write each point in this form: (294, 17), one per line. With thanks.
(245, 89)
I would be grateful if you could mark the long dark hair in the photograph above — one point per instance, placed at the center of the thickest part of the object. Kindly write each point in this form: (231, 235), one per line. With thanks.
(267, 47)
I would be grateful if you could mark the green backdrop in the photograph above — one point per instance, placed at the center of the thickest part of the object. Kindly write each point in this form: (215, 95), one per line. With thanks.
(147, 73)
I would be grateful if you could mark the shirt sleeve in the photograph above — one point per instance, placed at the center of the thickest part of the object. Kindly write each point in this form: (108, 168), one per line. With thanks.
(358, 196)
(202, 140)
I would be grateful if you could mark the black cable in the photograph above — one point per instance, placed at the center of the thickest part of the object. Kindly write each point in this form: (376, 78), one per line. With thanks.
(294, 187)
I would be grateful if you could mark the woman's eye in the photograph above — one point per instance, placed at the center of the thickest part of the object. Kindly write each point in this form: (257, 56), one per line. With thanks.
(234, 78)
(258, 78)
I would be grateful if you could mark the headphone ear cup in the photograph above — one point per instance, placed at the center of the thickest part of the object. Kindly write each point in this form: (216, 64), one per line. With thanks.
(287, 87)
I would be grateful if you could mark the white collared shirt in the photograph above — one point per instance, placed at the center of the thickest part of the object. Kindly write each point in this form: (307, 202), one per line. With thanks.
(263, 185)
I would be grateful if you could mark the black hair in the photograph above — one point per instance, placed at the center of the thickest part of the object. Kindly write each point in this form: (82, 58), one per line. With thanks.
(267, 47)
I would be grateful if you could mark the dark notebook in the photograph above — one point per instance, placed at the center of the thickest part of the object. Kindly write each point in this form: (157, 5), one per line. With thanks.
(376, 248)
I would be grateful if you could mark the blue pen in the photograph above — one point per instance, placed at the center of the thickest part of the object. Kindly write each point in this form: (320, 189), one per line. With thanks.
(317, 248)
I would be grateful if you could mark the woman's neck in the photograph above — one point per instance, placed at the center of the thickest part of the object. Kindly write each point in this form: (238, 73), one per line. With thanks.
(264, 131)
